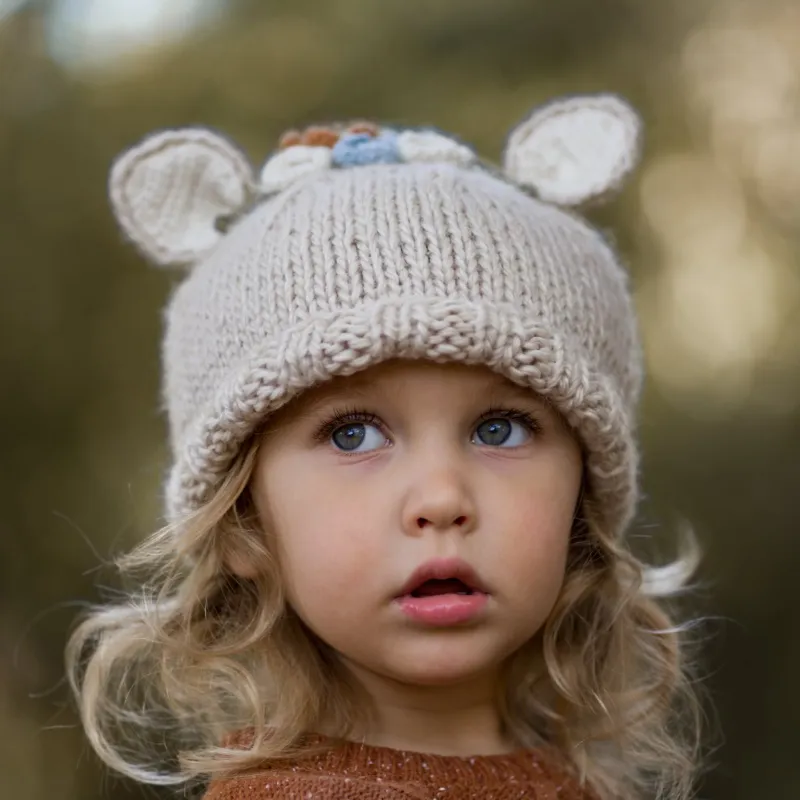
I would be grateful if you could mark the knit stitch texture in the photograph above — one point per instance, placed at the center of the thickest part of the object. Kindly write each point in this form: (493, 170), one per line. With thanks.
(353, 771)
(334, 269)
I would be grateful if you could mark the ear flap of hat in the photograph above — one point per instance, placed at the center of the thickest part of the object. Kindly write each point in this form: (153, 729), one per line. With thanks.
(575, 149)
(169, 191)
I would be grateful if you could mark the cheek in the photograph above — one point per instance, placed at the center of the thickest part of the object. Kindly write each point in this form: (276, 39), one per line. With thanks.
(539, 525)
(536, 553)
(325, 541)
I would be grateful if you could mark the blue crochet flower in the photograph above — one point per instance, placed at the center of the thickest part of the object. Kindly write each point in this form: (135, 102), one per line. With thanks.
(359, 149)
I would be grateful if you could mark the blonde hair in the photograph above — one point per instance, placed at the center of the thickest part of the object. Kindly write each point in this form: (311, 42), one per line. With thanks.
(196, 652)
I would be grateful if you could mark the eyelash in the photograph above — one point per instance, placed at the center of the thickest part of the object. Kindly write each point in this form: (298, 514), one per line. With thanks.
(351, 415)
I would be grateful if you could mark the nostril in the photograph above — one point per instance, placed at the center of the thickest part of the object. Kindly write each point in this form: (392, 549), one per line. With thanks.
(422, 522)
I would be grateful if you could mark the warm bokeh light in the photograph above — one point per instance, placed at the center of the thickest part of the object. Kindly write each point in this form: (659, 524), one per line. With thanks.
(719, 306)
(716, 309)
(96, 34)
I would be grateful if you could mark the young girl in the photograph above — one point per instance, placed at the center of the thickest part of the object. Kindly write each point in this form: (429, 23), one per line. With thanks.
(401, 388)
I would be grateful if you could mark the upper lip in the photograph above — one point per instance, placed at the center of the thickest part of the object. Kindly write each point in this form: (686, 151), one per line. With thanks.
(444, 569)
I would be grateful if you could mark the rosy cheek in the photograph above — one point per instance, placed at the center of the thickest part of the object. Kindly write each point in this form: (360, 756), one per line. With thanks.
(541, 532)
(323, 549)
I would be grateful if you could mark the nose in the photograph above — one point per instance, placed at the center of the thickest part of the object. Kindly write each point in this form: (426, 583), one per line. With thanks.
(439, 499)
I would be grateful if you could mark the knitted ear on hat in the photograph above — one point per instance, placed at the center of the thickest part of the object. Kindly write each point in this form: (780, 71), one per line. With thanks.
(169, 192)
(576, 149)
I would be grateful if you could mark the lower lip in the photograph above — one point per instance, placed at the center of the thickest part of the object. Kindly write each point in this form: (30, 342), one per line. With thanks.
(443, 609)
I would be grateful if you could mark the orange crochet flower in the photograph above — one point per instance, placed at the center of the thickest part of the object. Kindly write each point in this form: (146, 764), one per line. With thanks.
(325, 136)
(318, 136)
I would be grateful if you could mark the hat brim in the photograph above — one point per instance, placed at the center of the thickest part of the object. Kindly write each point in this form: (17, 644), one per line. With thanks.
(341, 343)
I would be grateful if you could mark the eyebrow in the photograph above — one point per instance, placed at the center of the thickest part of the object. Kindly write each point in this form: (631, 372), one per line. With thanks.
(359, 386)
(357, 389)
(509, 387)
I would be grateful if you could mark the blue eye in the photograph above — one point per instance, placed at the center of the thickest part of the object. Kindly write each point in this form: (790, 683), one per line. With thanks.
(500, 431)
(354, 431)
(349, 437)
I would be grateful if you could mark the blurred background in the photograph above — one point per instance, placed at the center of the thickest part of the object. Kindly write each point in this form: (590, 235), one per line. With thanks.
(710, 227)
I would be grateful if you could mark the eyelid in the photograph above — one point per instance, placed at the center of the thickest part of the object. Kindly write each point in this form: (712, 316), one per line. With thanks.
(337, 417)
(506, 411)
(529, 419)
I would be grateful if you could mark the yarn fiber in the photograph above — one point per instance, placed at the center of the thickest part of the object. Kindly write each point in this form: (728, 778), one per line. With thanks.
(347, 267)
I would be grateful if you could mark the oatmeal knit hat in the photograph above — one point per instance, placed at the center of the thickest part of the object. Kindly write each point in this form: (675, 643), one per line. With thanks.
(359, 243)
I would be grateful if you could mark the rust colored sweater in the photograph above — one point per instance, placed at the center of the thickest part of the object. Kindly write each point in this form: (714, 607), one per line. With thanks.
(366, 772)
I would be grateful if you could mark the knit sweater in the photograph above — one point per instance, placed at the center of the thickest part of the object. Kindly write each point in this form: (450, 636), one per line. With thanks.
(350, 770)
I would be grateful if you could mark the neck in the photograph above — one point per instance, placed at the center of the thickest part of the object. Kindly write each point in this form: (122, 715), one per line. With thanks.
(460, 720)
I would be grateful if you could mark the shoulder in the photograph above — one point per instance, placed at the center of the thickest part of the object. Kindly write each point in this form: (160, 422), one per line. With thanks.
(275, 785)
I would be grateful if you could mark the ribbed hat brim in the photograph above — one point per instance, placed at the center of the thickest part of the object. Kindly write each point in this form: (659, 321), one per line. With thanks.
(442, 330)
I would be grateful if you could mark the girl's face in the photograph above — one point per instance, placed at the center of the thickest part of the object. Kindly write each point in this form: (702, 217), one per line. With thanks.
(413, 465)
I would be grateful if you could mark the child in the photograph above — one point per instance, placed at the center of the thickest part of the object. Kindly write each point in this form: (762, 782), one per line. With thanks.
(401, 388)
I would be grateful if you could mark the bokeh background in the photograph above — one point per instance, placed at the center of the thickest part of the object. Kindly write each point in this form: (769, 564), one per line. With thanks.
(710, 227)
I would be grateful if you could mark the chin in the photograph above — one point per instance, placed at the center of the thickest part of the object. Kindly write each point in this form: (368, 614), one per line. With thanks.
(442, 664)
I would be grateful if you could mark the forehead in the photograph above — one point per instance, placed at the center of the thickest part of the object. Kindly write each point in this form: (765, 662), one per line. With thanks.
(392, 376)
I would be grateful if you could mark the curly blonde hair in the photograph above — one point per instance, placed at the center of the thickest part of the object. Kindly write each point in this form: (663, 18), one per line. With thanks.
(195, 652)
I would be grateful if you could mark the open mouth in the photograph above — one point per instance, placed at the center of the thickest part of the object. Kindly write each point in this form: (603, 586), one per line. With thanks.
(440, 586)
(443, 576)
(442, 594)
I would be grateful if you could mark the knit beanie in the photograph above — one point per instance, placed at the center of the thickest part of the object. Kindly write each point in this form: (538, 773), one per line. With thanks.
(357, 243)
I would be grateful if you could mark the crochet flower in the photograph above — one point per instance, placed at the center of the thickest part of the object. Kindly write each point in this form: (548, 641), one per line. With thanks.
(319, 136)
(359, 143)
(432, 146)
(359, 149)
(291, 164)
(171, 191)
